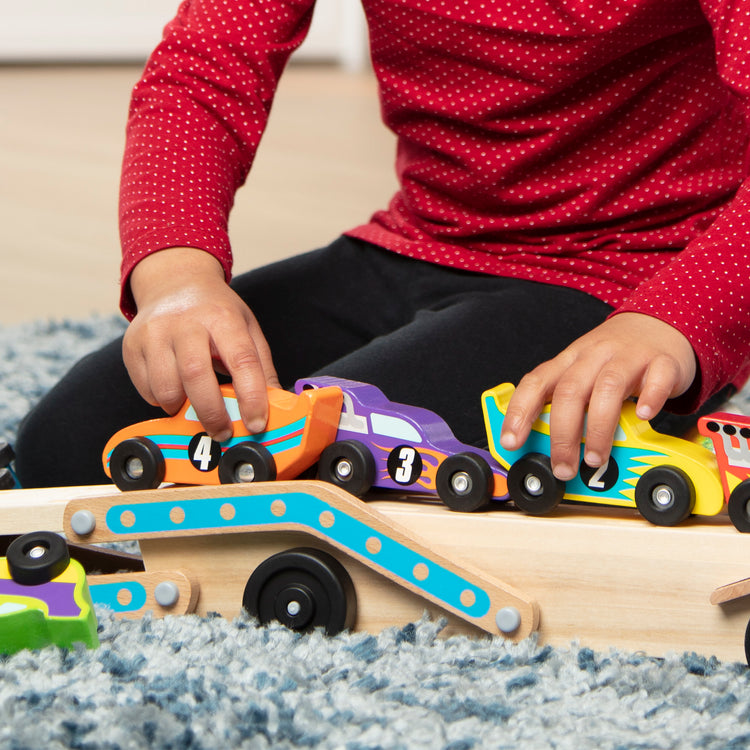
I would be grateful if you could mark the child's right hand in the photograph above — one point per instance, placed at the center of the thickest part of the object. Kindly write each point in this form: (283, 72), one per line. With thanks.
(189, 324)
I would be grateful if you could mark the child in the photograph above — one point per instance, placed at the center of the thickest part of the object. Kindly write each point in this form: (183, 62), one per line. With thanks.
(571, 217)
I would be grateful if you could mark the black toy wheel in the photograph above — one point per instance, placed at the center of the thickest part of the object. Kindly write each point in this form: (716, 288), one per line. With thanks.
(247, 462)
(465, 482)
(6, 453)
(533, 487)
(137, 464)
(37, 557)
(348, 464)
(665, 495)
(738, 506)
(303, 589)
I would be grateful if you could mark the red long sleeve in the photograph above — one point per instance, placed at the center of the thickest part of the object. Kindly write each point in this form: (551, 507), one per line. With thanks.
(598, 145)
(196, 118)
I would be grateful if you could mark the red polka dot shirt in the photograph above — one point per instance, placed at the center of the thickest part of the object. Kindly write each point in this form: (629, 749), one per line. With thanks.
(595, 144)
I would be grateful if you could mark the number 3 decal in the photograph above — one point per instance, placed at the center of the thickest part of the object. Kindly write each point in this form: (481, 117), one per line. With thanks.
(404, 464)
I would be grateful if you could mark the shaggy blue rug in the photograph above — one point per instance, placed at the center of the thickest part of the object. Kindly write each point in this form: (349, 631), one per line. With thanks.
(189, 682)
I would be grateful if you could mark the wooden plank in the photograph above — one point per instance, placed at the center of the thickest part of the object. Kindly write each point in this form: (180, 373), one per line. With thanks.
(379, 604)
(133, 594)
(730, 592)
(22, 511)
(316, 509)
(607, 578)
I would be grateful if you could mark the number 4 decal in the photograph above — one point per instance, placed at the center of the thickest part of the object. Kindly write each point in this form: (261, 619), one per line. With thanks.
(204, 453)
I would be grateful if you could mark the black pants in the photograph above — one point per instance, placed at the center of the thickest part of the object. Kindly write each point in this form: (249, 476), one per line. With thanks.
(426, 335)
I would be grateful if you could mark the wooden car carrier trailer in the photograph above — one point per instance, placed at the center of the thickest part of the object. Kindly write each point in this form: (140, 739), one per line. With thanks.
(601, 576)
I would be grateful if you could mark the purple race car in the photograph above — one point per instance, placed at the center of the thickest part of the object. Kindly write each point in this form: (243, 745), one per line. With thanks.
(383, 444)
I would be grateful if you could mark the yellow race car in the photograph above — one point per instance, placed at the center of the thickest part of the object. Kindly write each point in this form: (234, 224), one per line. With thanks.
(665, 478)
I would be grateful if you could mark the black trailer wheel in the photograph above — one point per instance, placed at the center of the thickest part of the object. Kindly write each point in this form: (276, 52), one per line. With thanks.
(465, 482)
(37, 557)
(137, 464)
(533, 487)
(665, 495)
(247, 462)
(738, 506)
(302, 588)
(348, 464)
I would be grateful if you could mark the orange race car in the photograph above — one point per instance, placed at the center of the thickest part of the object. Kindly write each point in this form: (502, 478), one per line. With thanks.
(177, 450)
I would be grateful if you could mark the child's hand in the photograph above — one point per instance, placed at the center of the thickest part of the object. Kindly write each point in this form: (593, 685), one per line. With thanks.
(190, 323)
(628, 355)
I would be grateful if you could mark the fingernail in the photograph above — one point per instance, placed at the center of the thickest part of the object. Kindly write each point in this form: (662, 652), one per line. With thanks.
(508, 441)
(594, 460)
(256, 425)
(223, 436)
(563, 472)
(644, 412)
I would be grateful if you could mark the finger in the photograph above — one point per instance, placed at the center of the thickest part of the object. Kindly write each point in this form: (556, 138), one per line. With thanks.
(526, 404)
(163, 373)
(661, 381)
(197, 375)
(612, 387)
(244, 363)
(135, 363)
(567, 415)
(153, 371)
(165, 381)
(244, 367)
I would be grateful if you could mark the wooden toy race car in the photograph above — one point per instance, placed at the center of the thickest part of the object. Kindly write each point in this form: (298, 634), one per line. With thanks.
(384, 444)
(730, 436)
(44, 596)
(177, 450)
(665, 478)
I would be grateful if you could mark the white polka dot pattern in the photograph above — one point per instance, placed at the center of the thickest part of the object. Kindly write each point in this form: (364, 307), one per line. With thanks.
(585, 143)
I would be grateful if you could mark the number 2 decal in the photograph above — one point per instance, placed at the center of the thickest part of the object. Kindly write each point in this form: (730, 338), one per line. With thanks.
(600, 478)
(404, 464)
(596, 482)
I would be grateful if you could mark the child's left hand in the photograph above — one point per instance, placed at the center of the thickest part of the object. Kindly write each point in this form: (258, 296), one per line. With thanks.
(628, 355)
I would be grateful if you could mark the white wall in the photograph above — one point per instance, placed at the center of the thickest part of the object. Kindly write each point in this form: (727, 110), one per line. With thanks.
(127, 30)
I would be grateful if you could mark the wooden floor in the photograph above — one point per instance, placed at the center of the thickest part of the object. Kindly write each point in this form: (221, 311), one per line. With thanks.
(325, 164)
